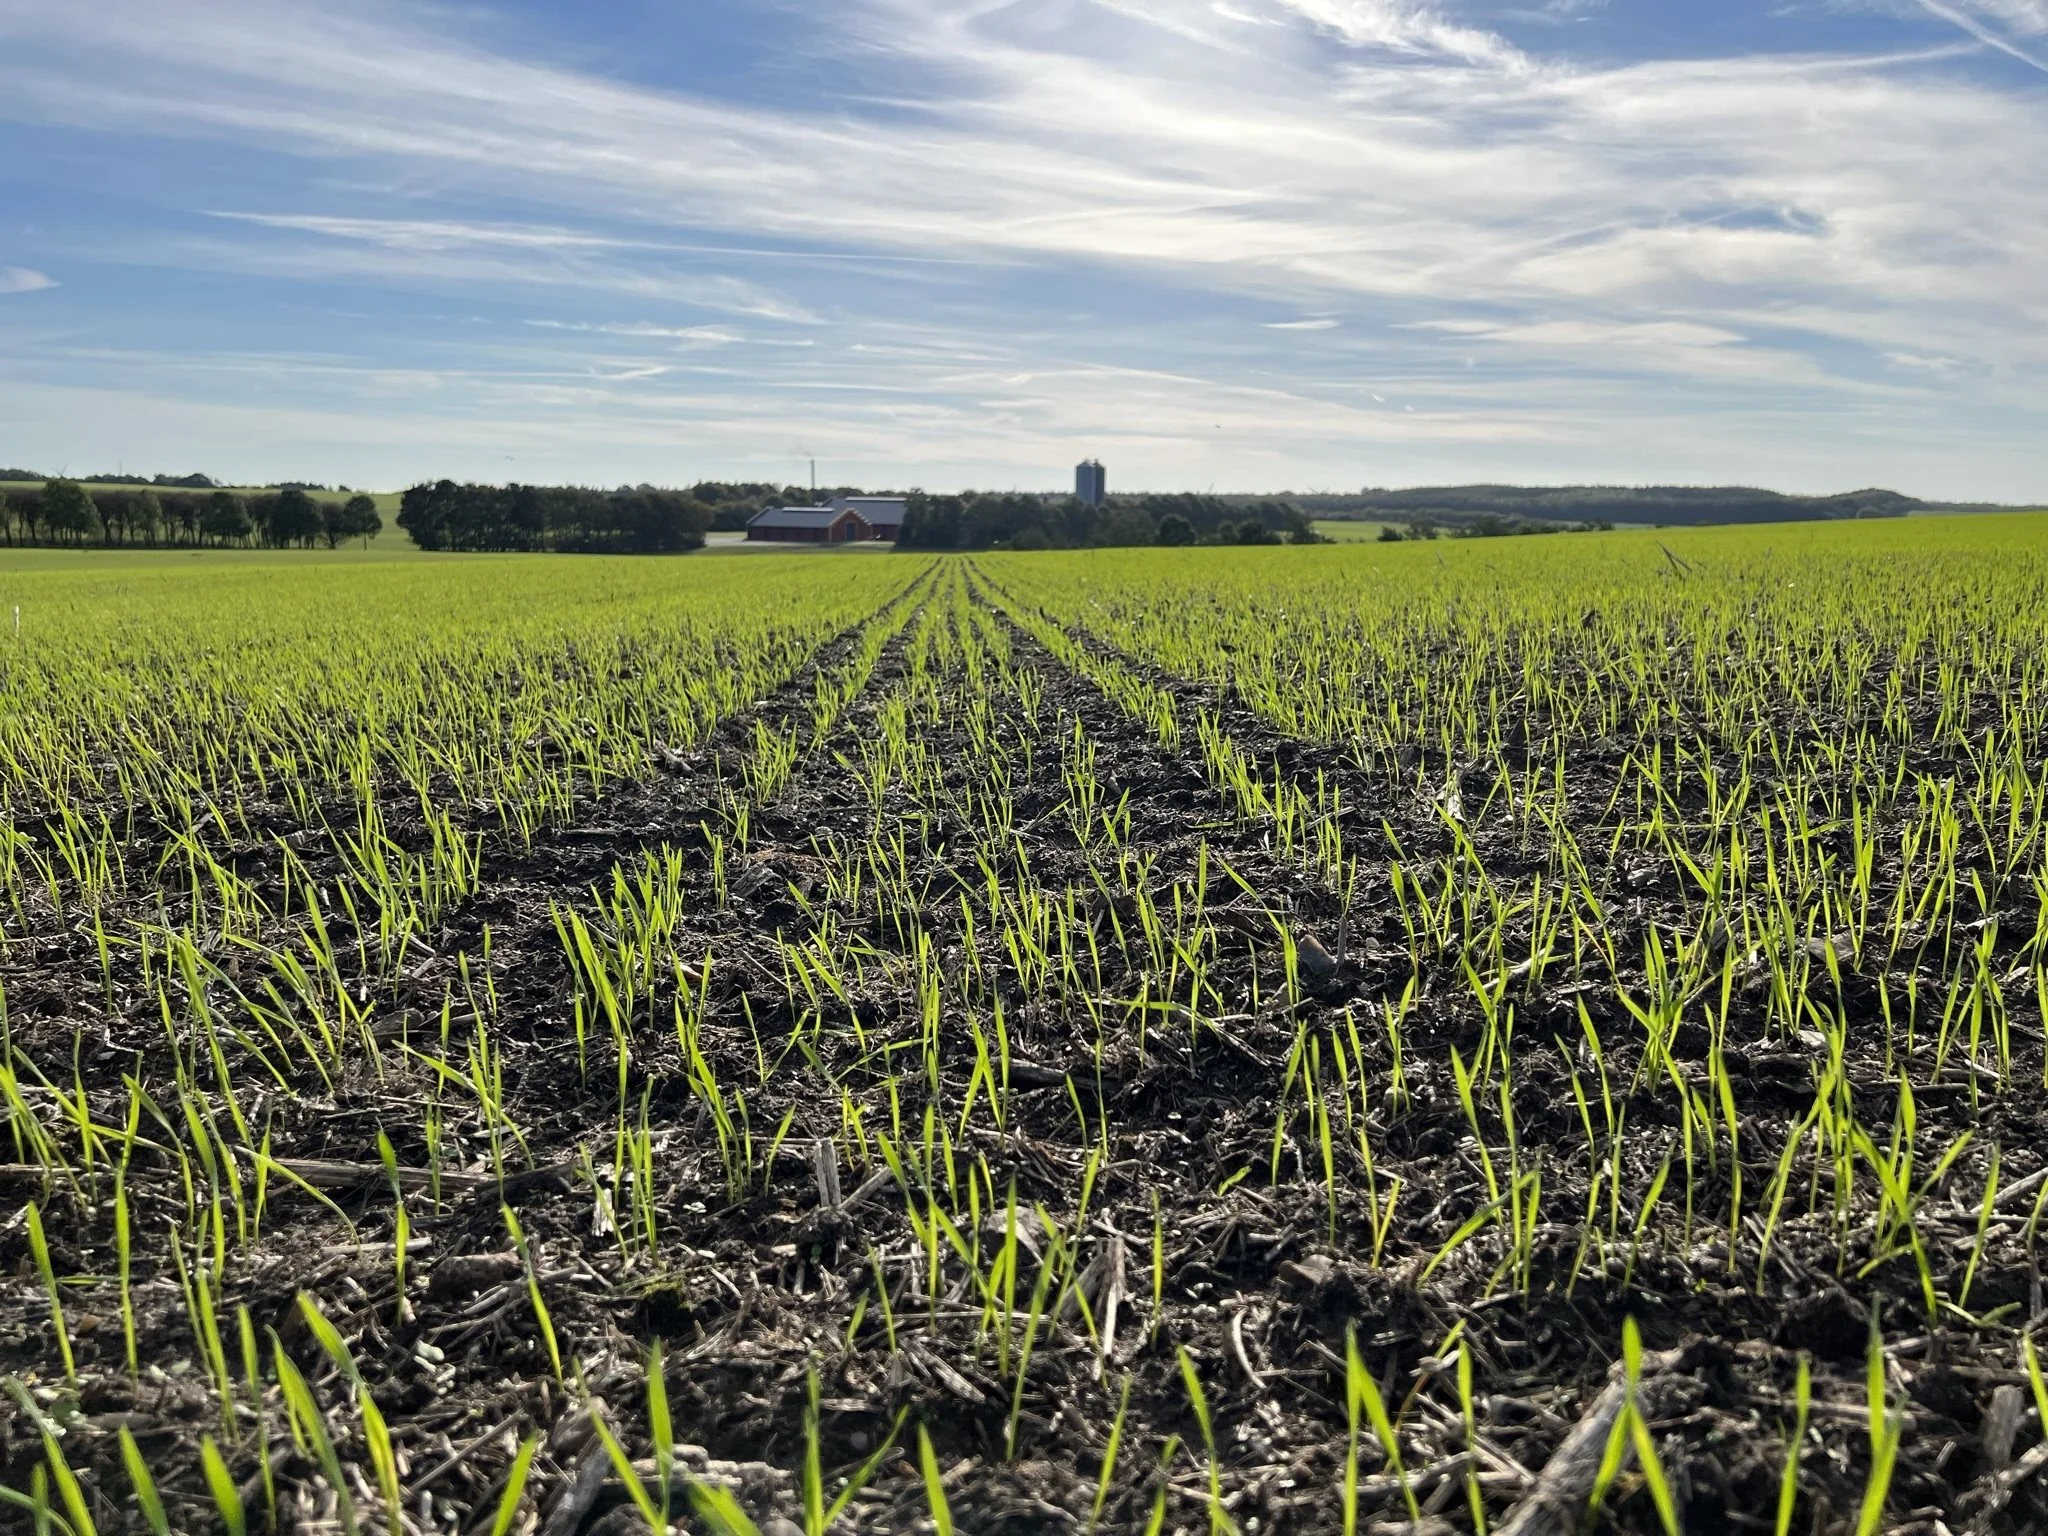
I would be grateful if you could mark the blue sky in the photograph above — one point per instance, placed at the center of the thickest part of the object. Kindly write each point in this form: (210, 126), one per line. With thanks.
(1241, 244)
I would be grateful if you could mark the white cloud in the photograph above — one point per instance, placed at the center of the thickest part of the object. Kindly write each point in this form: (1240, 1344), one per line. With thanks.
(1587, 333)
(462, 257)
(24, 280)
(1989, 32)
(701, 335)
(1510, 184)
(1936, 365)
(433, 234)
(1995, 23)
(1798, 222)
(2026, 18)
(1405, 27)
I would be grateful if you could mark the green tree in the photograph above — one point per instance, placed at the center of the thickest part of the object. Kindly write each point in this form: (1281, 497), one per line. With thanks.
(356, 518)
(296, 519)
(1301, 529)
(225, 518)
(145, 516)
(17, 515)
(182, 511)
(1175, 530)
(69, 511)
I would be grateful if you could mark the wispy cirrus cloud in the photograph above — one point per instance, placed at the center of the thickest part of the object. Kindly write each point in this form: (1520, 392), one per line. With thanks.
(1406, 26)
(638, 330)
(471, 254)
(1193, 186)
(2003, 25)
(1994, 25)
(432, 234)
(2011, 18)
(24, 280)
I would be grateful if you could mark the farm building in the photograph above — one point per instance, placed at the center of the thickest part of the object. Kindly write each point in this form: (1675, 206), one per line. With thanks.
(842, 520)
(1091, 482)
(808, 525)
(882, 514)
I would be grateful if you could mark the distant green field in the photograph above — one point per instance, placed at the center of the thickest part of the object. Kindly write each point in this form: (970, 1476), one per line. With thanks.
(1969, 510)
(391, 548)
(740, 544)
(1344, 530)
(1394, 889)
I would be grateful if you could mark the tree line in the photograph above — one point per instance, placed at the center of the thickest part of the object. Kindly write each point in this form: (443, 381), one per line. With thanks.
(1450, 506)
(65, 514)
(734, 502)
(630, 520)
(194, 482)
(1020, 520)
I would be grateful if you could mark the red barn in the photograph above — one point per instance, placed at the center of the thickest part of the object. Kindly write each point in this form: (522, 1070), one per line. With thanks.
(808, 525)
(882, 514)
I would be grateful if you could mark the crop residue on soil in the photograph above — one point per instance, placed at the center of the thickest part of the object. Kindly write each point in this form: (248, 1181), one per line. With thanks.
(1027, 1074)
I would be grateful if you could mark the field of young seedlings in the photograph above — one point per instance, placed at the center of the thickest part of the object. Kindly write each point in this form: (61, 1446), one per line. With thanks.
(1485, 1036)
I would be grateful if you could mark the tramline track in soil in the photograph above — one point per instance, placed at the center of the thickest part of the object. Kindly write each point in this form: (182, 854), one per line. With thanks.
(1791, 1287)
(233, 875)
(942, 816)
(305, 1139)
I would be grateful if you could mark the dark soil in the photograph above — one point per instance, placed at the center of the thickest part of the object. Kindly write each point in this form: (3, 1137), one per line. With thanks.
(773, 1303)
